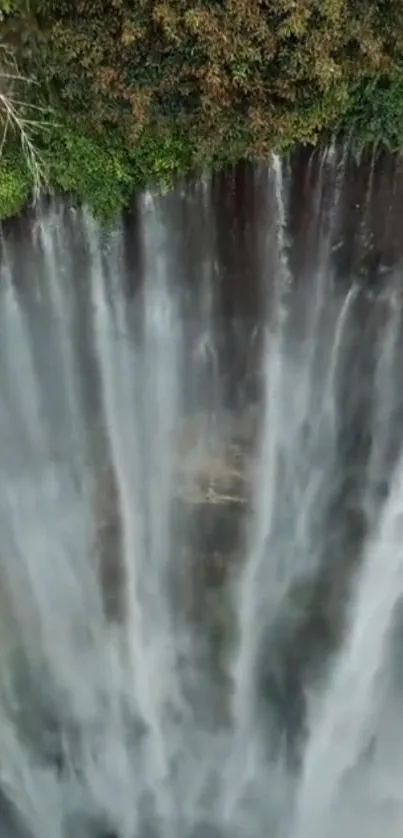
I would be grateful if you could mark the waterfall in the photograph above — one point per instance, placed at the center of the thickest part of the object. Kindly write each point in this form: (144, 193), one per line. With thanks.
(200, 512)
(344, 723)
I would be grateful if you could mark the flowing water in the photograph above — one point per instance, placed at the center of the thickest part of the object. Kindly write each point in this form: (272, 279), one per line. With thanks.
(201, 511)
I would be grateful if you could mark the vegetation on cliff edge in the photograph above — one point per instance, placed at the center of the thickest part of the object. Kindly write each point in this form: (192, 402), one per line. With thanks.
(110, 95)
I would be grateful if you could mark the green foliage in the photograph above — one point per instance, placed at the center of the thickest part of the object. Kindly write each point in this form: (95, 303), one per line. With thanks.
(143, 91)
(99, 170)
(92, 169)
(159, 156)
(375, 116)
(15, 185)
(6, 8)
(102, 170)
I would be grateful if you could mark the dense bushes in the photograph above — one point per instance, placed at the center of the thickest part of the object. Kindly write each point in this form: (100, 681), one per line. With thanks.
(136, 91)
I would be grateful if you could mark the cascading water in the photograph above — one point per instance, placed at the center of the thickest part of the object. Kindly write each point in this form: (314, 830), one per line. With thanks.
(200, 509)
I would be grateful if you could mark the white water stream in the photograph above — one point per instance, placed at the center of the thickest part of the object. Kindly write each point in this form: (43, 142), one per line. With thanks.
(119, 715)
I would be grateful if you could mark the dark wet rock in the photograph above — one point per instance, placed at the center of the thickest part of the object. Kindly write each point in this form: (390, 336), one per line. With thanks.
(12, 822)
(106, 507)
(280, 694)
(95, 826)
(215, 533)
(205, 830)
(39, 713)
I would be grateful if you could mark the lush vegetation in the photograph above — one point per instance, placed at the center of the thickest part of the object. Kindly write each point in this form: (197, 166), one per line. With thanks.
(107, 95)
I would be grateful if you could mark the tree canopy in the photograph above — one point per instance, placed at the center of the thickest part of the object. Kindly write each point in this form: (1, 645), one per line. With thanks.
(116, 94)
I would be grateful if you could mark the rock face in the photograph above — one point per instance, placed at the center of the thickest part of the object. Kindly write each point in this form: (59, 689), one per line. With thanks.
(106, 508)
(211, 507)
(11, 821)
(210, 504)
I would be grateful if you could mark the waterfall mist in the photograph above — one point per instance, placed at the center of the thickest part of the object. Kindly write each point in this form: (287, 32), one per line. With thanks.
(201, 511)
